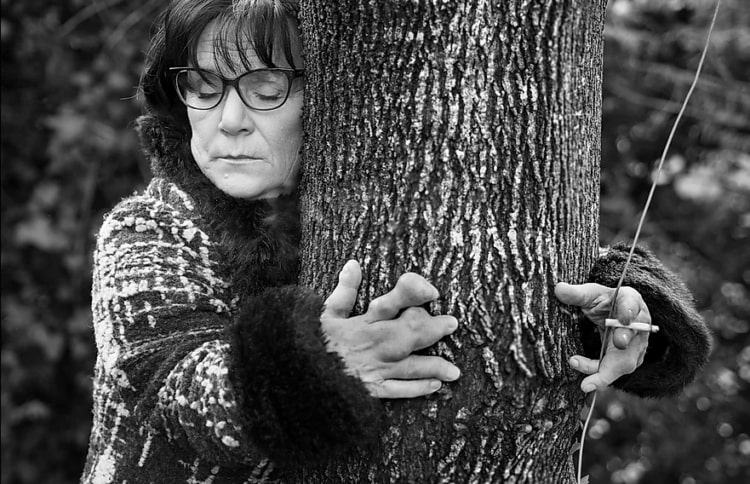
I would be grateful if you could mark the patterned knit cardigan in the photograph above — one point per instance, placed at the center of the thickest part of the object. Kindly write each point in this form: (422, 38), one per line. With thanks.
(212, 367)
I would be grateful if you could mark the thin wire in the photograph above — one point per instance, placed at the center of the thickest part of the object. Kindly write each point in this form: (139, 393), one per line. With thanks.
(643, 218)
(583, 435)
(663, 157)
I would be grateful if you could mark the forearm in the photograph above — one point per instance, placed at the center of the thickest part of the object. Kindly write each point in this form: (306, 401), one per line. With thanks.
(300, 402)
(264, 386)
(235, 386)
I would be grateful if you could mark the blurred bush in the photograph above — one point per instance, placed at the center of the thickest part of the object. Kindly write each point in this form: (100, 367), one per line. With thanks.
(69, 153)
(699, 225)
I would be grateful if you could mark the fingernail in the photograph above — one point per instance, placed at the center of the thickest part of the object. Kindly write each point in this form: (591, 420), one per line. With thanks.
(588, 388)
(435, 385)
(574, 363)
(453, 325)
(454, 373)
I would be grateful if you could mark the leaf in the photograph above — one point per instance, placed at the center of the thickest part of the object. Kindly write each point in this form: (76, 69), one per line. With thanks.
(40, 233)
(574, 448)
(699, 184)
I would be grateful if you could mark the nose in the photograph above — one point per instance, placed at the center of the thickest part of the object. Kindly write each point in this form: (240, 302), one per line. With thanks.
(236, 118)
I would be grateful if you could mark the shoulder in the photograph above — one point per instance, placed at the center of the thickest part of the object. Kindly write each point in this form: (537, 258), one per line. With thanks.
(160, 217)
(162, 211)
(152, 241)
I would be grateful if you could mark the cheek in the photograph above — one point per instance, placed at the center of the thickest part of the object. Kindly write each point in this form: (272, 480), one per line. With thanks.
(293, 133)
(293, 120)
(200, 134)
(287, 136)
(293, 143)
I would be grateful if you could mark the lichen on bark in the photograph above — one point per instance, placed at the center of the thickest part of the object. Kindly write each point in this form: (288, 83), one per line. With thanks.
(460, 140)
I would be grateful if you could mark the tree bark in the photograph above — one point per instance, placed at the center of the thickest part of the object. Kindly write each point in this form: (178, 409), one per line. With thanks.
(460, 140)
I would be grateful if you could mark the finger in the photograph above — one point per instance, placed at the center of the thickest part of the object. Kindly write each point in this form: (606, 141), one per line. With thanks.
(417, 367)
(411, 290)
(621, 337)
(341, 301)
(583, 295)
(584, 365)
(414, 330)
(403, 388)
(630, 308)
(628, 304)
(609, 371)
(640, 345)
(594, 382)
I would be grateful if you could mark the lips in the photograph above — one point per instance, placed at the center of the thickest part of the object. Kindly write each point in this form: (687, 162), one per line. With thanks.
(238, 159)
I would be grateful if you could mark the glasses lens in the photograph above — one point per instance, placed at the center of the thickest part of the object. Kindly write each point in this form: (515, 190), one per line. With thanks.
(265, 88)
(200, 89)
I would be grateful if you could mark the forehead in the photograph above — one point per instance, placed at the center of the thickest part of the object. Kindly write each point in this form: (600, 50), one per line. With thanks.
(232, 51)
(214, 50)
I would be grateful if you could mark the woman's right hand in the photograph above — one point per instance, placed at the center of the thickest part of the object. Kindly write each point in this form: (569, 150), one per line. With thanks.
(378, 346)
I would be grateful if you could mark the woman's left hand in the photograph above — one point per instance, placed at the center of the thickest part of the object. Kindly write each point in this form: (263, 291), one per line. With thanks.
(625, 348)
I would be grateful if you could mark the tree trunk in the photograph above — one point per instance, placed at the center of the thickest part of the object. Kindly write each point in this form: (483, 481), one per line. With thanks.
(460, 140)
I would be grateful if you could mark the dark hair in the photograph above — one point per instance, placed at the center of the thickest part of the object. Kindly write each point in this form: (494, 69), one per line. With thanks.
(263, 26)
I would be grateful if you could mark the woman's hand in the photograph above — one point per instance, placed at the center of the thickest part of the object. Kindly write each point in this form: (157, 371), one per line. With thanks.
(377, 346)
(625, 348)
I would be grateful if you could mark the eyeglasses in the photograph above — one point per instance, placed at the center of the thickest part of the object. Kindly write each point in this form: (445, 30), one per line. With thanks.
(260, 89)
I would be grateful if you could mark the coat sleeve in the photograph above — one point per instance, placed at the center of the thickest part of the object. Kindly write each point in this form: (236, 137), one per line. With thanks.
(236, 386)
(680, 349)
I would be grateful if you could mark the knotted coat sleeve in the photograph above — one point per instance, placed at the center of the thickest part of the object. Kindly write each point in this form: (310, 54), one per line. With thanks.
(680, 349)
(233, 386)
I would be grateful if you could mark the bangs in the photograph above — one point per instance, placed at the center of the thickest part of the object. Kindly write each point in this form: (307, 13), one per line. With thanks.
(247, 31)
(244, 31)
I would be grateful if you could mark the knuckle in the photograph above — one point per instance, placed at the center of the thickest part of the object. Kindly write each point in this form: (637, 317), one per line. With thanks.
(377, 389)
(644, 316)
(409, 368)
(389, 344)
(377, 305)
(408, 279)
(603, 379)
(379, 334)
(415, 285)
(414, 319)
(629, 293)
(414, 313)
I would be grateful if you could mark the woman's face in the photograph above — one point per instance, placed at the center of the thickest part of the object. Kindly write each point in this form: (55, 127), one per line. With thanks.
(246, 153)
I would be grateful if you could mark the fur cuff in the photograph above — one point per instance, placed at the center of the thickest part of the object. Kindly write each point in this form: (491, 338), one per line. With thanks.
(680, 349)
(300, 405)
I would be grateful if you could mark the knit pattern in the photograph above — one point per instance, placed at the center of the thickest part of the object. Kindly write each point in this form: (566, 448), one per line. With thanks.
(160, 309)
(212, 366)
(170, 402)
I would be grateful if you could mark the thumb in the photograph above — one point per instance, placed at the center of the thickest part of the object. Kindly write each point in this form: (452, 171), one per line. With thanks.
(341, 301)
(581, 295)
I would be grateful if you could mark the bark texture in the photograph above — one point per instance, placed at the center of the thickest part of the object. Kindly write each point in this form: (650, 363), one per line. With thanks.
(460, 140)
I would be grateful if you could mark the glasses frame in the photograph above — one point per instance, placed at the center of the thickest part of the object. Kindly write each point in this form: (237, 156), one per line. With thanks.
(291, 75)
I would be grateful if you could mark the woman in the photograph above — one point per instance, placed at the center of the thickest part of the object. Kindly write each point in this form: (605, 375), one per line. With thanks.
(212, 365)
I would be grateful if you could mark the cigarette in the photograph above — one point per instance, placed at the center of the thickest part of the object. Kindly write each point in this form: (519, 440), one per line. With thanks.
(636, 326)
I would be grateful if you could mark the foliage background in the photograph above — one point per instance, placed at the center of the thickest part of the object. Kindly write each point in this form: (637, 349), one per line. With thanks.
(69, 71)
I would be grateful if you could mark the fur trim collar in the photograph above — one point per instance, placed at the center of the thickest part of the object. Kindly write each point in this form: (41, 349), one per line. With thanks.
(258, 240)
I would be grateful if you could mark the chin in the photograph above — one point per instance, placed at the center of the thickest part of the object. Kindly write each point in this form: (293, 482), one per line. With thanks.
(250, 193)
(238, 190)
